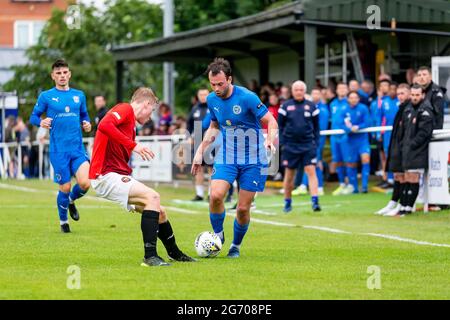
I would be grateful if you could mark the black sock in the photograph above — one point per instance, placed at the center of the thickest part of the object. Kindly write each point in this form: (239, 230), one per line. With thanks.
(412, 195)
(404, 194)
(165, 234)
(396, 193)
(149, 227)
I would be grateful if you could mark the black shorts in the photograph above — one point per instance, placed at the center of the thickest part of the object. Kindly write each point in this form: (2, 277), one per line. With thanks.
(293, 160)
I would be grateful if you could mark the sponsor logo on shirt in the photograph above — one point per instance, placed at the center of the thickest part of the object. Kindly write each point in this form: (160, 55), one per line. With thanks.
(76, 99)
(67, 109)
(55, 99)
(228, 122)
(260, 105)
(237, 109)
(290, 108)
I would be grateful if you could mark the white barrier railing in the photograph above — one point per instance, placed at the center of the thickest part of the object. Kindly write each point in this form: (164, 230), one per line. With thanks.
(9, 161)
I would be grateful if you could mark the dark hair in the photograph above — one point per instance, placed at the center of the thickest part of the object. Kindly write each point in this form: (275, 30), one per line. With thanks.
(385, 80)
(60, 63)
(353, 91)
(393, 83)
(422, 68)
(417, 86)
(341, 83)
(219, 65)
(316, 88)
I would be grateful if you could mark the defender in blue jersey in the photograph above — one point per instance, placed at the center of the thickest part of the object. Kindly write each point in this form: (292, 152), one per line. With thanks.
(237, 114)
(337, 154)
(356, 146)
(65, 113)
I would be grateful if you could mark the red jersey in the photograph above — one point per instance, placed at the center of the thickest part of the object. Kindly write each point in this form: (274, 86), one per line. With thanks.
(114, 142)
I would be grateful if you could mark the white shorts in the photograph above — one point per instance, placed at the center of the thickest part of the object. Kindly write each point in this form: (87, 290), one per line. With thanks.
(114, 187)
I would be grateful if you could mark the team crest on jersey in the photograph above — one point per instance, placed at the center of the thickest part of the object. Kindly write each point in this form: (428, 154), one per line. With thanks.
(76, 99)
(213, 171)
(228, 122)
(58, 177)
(67, 109)
(285, 162)
(125, 179)
(306, 107)
(414, 120)
(237, 109)
(290, 108)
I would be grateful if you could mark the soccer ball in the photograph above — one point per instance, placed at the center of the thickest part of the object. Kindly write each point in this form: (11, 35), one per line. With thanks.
(207, 244)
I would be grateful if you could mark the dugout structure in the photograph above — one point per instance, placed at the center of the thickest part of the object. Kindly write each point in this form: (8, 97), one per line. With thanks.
(311, 40)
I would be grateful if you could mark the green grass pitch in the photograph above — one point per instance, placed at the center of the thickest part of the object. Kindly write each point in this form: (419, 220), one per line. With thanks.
(326, 255)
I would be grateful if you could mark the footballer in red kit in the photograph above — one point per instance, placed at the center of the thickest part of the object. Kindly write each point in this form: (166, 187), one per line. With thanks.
(111, 177)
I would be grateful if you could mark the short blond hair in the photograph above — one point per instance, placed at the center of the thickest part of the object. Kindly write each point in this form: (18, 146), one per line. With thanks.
(144, 94)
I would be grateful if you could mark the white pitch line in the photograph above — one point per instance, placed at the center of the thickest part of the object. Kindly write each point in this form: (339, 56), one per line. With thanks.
(275, 223)
(326, 229)
(397, 238)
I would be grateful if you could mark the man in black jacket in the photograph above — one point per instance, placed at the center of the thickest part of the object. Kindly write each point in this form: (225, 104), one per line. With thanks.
(434, 94)
(418, 130)
(394, 160)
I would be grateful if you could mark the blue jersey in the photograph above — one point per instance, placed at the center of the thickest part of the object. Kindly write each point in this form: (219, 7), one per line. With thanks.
(298, 122)
(324, 116)
(356, 116)
(239, 121)
(335, 107)
(389, 109)
(68, 110)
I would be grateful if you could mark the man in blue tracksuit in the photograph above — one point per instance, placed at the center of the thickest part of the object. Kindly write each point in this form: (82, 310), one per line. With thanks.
(65, 115)
(337, 155)
(324, 119)
(298, 122)
(356, 145)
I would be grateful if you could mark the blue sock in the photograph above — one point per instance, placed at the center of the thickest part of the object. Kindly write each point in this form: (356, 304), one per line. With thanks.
(314, 199)
(319, 174)
(365, 172)
(341, 174)
(217, 221)
(353, 177)
(62, 201)
(287, 202)
(305, 179)
(239, 232)
(76, 193)
(390, 176)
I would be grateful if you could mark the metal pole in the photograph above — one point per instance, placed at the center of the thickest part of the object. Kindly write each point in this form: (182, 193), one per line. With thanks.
(344, 62)
(3, 107)
(169, 81)
(327, 65)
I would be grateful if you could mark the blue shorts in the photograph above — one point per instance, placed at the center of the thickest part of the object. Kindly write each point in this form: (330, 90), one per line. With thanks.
(251, 177)
(353, 150)
(293, 160)
(337, 154)
(66, 164)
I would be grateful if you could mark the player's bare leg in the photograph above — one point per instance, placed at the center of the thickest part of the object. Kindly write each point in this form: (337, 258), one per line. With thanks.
(80, 189)
(241, 222)
(288, 185)
(313, 183)
(219, 189)
(199, 188)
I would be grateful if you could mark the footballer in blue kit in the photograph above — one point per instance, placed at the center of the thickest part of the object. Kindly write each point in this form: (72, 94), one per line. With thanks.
(236, 117)
(356, 146)
(65, 114)
(337, 154)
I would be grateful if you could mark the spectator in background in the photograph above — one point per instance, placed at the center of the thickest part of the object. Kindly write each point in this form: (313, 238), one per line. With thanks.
(393, 92)
(10, 135)
(353, 85)
(254, 86)
(285, 94)
(23, 137)
(165, 119)
(100, 107)
(179, 126)
(434, 94)
(273, 107)
(367, 92)
(409, 76)
(148, 129)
